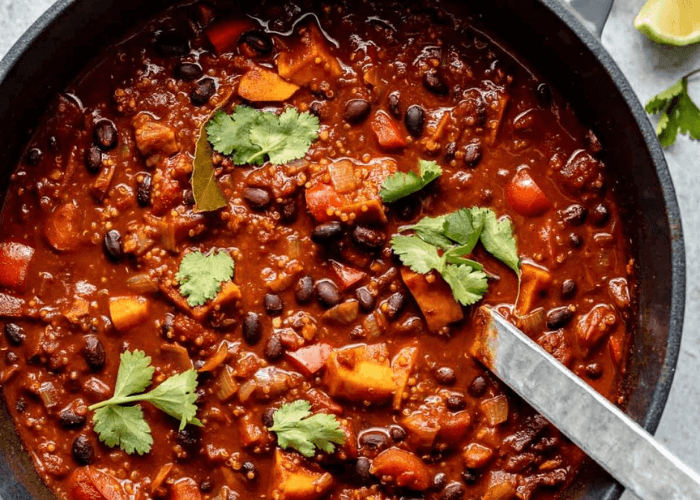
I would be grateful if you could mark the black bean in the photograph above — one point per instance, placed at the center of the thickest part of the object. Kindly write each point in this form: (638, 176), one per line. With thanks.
(202, 92)
(575, 214)
(14, 334)
(414, 120)
(274, 348)
(167, 328)
(439, 480)
(594, 370)
(252, 328)
(365, 298)
(188, 71)
(105, 135)
(575, 240)
(397, 433)
(375, 440)
(93, 159)
(189, 438)
(445, 375)
(394, 105)
(478, 387)
(394, 305)
(317, 109)
(206, 486)
(257, 199)
(450, 151)
(188, 197)
(83, 451)
(470, 476)
(33, 157)
(53, 143)
(544, 94)
(249, 470)
(456, 402)
(69, 419)
(21, 405)
(453, 491)
(288, 210)
(327, 293)
(558, 317)
(143, 191)
(171, 44)
(367, 238)
(11, 357)
(268, 417)
(433, 81)
(600, 215)
(568, 289)
(327, 232)
(94, 352)
(304, 289)
(112, 244)
(273, 304)
(258, 42)
(356, 110)
(362, 467)
(472, 154)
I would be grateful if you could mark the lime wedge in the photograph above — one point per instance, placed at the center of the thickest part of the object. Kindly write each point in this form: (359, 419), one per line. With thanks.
(675, 22)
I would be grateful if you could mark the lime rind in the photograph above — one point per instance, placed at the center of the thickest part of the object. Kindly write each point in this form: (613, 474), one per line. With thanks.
(672, 22)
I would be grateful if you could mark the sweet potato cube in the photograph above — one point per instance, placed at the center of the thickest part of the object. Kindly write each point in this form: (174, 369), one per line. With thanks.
(185, 489)
(534, 281)
(62, 229)
(293, 481)
(128, 312)
(422, 429)
(154, 138)
(310, 62)
(495, 410)
(14, 263)
(454, 426)
(358, 374)
(434, 297)
(402, 365)
(263, 85)
(476, 455)
(404, 468)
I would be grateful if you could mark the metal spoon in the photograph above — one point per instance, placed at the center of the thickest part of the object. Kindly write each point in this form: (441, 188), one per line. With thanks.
(629, 453)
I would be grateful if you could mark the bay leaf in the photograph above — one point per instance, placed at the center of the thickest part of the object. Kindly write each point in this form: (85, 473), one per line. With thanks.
(207, 194)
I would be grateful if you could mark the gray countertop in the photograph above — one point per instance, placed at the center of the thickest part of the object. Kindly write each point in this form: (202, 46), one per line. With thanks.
(650, 68)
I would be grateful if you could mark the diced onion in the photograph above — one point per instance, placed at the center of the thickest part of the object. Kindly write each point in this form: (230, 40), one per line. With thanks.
(495, 410)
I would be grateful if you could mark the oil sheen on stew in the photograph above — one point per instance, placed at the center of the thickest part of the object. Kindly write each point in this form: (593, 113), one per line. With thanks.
(326, 364)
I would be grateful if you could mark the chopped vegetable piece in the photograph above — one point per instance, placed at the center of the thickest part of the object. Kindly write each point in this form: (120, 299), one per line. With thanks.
(224, 34)
(311, 62)
(677, 112)
(535, 280)
(359, 374)
(14, 264)
(347, 276)
(293, 481)
(402, 365)
(185, 489)
(594, 325)
(200, 276)
(387, 132)
(525, 196)
(124, 425)
(402, 468)
(89, 483)
(344, 313)
(476, 455)
(311, 359)
(495, 410)
(128, 312)
(401, 184)
(63, 229)
(297, 428)
(262, 85)
(435, 299)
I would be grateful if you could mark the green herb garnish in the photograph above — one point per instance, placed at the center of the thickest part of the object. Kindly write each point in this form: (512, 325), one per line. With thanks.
(401, 184)
(124, 425)
(678, 112)
(297, 428)
(457, 234)
(200, 276)
(252, 135)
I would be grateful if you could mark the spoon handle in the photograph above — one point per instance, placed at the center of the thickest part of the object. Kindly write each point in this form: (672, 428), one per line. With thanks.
(601, 430)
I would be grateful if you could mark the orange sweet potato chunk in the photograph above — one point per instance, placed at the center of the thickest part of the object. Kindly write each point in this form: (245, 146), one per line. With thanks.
(359, 374)
(434, 298)
(128, 312)
(404, 468)
(310, 62)
(292, 481)
(263, 85)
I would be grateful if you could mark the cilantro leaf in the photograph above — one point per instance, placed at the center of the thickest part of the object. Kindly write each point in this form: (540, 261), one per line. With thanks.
(498, 240)
(176, 397)
(232, 132)
(284, 138)
(420, 256)
(464, 227)
(200, 276)
(297, 428)
(677, 113)
(401, 184)
(431, 230)
(125, 426)
(134, 374)
(467, 284)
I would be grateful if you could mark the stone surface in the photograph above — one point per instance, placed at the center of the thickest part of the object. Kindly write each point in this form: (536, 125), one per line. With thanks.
(650, 68)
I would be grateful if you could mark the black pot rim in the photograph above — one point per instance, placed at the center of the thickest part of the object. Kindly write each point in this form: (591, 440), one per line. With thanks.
(594, 45)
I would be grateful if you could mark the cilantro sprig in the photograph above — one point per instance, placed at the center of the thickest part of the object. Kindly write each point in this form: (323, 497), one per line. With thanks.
(402, 184)
(440, 243)
(677, 112)
(200, 276)
(251, 135)
(297, 428)
(125, 426)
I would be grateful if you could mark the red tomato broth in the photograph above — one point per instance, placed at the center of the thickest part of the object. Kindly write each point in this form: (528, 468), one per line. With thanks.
(500, 120)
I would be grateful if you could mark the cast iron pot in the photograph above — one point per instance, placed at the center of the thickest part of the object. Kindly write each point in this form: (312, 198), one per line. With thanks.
(552, 39)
